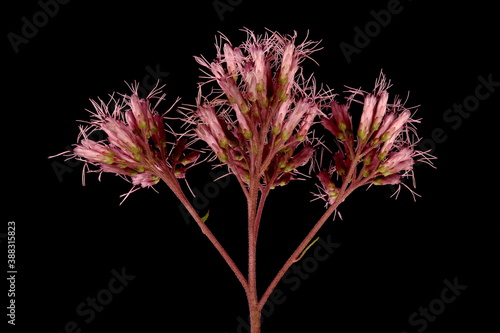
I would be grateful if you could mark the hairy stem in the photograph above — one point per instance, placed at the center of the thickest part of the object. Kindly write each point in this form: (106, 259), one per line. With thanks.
(260, 208)
(173, 184)
(252, 294)
(346, 189)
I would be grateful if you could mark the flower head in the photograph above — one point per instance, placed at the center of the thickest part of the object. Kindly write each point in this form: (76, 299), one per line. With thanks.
(263, 109)
(136, 145)
(383, 151)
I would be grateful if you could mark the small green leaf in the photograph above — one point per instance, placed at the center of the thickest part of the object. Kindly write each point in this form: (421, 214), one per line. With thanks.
(204, 218)
(307, 248)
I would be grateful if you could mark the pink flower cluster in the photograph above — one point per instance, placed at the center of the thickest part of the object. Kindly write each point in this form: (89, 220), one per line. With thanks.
(136, 144)
(383, 148)
(260, 118)
(258, 122)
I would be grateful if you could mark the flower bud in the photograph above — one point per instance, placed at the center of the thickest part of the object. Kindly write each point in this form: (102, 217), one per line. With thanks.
(204, 134)
(179, 147)
(300, 158)
(392, 132)
(342, 117)
(289, 64)
(370, 163)
(330, 125)
(397, 161)
(190, 158)
(241, 173)
(380, 110)
(139, 110)
(132, 122)
(325, 180)
(366, 117)
(145, 180)
(208, 117)
(260, 73)
(243, 123)
(283, 110)
(340, 123)
(393, 179)
(232, 60)
(328, 186)
(158, 136)
(283, 179)
(379, 136)
(301, 107)
(118, 169)
(396, 125)
(94, 152)
(307, 122)
(121, 135)
(340, 165)
(229, 87)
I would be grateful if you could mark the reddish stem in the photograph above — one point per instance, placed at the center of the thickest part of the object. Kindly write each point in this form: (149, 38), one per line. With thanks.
(173, 184)
(346, 189)
(293, 258)
(255, 205)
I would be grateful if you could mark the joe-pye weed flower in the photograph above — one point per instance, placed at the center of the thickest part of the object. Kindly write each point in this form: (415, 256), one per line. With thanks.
(255, 112)
(136, 144)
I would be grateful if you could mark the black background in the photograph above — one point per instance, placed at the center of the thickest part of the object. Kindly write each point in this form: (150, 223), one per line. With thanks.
(394, 254)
